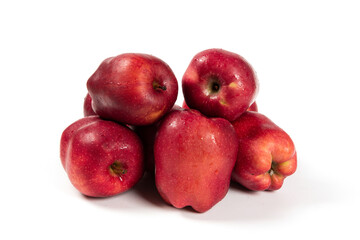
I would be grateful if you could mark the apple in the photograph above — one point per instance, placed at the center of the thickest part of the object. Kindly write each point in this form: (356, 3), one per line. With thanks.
(133, 88)
(101, 158)
(253, 107)
(88, 110)
(194, 158)
(266, 154)
(219, 83)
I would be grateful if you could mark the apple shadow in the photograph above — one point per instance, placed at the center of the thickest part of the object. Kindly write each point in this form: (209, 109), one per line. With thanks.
(147, 190)
(122, 201)
(241, 188)
(143, 196)
(243, 205)
(299, 193)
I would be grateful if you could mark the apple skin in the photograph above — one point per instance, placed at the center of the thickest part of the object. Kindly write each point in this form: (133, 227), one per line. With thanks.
(101, 158)
(194, 158)
(219, 83)
(133, 88)
(266, 154)
(147, 135)
(88, 110)
(184, 105)
(253, 107)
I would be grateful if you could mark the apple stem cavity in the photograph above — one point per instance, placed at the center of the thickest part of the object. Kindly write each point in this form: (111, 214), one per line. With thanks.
(273, 166)
(157, 86)
(214, 85)
(117, 169)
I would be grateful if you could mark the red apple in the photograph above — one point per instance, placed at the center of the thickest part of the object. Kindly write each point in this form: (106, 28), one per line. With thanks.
(194, 158)
(219, 83)
(266, 153)
(131, 88)
(88, 110)
(102, 158)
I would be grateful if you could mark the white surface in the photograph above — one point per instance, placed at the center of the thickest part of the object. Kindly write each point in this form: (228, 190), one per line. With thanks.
(307, 59)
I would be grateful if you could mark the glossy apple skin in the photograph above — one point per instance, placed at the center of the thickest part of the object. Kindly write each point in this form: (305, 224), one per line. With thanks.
(147, 135)
(101, 158)
(266, 154)
(253, 107)
(132, 88)
(194, 158)
(219, 83)
(88, 110)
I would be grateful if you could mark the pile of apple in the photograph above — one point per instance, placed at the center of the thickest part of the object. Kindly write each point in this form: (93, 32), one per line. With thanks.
(132, 126)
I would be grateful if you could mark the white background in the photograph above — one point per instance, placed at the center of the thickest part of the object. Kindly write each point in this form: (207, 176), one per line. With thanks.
(306, 55)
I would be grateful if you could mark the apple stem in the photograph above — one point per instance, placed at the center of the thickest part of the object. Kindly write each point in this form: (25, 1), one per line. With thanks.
(157, 86)
(117, 169)
(215, 87)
